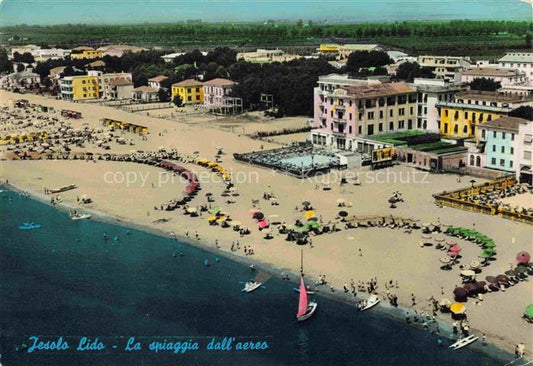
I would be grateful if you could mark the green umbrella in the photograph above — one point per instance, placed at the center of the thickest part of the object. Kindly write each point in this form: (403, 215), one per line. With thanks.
(314, 225)
(529, 311)
(450, 229)
(489, 244)
(487, 253)
(214, 210)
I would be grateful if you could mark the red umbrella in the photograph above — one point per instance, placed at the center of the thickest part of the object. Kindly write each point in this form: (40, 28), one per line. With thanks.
(455, 248)
(263, 224)
(453, 254)
(523, 257)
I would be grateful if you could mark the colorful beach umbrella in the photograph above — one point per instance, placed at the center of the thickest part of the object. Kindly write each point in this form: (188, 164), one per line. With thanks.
(457, 308)
(211, 218)
(263, 224)
(456, 248)
(523, 257)
(502, 279)
(309, 214)
(529, 311)
(214, 210)
(459, 293)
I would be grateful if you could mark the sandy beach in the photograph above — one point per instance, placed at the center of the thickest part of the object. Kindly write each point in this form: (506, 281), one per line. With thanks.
(388, 254)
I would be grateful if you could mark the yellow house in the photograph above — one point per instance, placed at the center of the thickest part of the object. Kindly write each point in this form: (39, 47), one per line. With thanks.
(461, 121)
(190, 91)
(80, 53)
(79, 87)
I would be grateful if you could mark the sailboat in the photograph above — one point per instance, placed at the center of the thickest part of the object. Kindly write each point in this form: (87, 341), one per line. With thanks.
(305, 309)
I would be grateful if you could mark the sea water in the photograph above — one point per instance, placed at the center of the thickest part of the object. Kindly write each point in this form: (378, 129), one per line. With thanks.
(149, 300)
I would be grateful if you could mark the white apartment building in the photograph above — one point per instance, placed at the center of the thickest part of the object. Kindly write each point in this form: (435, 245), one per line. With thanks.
(522, 61)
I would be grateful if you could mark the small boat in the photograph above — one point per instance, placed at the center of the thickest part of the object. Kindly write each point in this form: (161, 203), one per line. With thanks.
(370, 303)
(464, 342)
(305, 309)
(79, 216)
(308, 292)
(29, 226)
(251, 286)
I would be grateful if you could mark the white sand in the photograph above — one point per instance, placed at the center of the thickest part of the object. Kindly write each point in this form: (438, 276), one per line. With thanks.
(387, 254)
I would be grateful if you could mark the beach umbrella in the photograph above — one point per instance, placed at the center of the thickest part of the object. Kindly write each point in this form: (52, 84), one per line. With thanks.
(221, 219)
(451, 243)
(457, 308)
(523, 257)
(444, 302)
(529, 311)
(341, 200)
(214, 210)
(254, 210)
(502, 279)
(258, 216)
(309, 214)
(468, 273)
(486, 254)
(453, 254)
(521, 269)
(314, 225)
(455, 248)
(480, 286)
(439, 239)
(445, 260)
(489, 244)
(475, 264)
(470, 287)
(343, 213)
(263, 224)
(510, 273)
(491, 279)
(211, 218)
(459, 292)
(191, 210)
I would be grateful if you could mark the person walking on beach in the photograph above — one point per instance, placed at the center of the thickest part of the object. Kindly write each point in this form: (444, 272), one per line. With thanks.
(196, 235)
(360, 252)
(187, 233)
(413, 300)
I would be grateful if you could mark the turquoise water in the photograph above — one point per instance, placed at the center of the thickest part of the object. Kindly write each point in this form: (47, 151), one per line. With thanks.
(66, 280)
(308, 160)
(102, 11)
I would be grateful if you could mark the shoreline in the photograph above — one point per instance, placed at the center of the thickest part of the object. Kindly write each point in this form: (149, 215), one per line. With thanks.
(500, 351)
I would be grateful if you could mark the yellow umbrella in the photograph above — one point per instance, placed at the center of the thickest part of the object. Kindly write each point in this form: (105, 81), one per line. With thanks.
(457, 308)
(225, 176)
(211, 218)
(202, 161)
(211, 163)
(309, 214)
(221, 218)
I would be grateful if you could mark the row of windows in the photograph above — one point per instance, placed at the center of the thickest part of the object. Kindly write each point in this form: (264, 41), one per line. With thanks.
(502, 149)
(371, 103)
(370, 128)
(502, 162)
(371, 115)
(456, 116)
(504, 135)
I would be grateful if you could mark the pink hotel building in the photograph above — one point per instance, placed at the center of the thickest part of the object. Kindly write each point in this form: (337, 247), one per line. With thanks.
(348, 112)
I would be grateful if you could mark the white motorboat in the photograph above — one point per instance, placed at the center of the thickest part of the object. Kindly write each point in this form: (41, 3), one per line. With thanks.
(370, 303)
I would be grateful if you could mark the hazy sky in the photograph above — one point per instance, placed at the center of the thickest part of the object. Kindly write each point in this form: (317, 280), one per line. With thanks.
(139, 11)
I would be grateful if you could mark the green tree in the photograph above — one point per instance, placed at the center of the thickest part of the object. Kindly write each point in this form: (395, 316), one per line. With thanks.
(485, 84)
(164, 95)
(408, 71)
(178, 102)
(5, 64)
(528, 40)
(20, 67)
(525, 112)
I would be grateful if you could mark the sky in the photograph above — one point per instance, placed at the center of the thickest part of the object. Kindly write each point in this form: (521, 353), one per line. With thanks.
(43, 12)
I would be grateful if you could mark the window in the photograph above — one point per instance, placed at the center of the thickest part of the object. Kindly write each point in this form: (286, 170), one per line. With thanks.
(360, 130)
(493, 148)
(455, 128)
(502, 162)
(493, 161)
(465, 129)
(512, 137)
(370, 115)
(503, 135)
(380, 127)
(370, 129)
(188, 90)
(503, 150)
(401, 124)
(483, 134)
(494, 134)
(189, 98)
(351, 117)
(350, 129)
(401, 111)
(510, 163)
(391, 126)
(391, 112)
(380, 114)
(512, 150)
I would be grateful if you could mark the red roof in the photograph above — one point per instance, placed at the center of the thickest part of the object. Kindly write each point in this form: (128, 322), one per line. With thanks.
(158, 78)
(189, 82)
